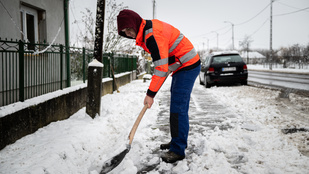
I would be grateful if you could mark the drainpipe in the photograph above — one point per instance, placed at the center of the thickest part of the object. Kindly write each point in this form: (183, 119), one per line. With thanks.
(67, 41)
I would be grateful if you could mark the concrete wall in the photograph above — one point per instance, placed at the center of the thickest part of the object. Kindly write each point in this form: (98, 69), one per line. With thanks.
(28, 120)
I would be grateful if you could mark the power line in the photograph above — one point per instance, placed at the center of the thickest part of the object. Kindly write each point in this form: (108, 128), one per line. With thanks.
(254, 16)
(277, 15)
(259, 27)
(304, 9)
(292, 12)
(238, 23)
(290, 6)
(211, 32)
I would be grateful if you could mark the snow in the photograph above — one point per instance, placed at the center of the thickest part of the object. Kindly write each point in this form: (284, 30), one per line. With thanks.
(95, 63)
(17, 106)
(252, 55)
(278, 69)
(14, 107)
(147, 76)
(246, 138)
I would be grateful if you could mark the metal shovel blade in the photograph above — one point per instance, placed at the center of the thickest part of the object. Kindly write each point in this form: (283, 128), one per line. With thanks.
(114, 162)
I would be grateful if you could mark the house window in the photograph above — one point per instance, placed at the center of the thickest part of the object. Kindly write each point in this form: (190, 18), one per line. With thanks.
(29, 22)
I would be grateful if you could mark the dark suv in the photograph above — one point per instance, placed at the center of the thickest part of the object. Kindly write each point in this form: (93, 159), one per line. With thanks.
(223, 68)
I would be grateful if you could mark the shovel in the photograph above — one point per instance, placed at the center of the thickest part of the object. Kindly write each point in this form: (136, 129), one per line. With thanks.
(112, 163)
(116, 160)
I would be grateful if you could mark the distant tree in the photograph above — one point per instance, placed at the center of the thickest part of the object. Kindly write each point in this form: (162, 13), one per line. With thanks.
(86, 37)
(306, 53)
(245, 45)
(295, 53)
(112, 41)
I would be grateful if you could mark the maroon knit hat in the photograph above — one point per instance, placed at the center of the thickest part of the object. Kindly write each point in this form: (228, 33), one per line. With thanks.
(128, 19)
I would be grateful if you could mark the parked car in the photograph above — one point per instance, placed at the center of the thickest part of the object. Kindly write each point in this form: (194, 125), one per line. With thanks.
(223, 68)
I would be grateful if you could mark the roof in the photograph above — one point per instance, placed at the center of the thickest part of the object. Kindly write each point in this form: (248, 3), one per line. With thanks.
(223, 52)
(252, 55)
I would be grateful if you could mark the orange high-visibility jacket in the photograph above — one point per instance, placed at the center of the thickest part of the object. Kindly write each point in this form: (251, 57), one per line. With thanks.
(169, 49)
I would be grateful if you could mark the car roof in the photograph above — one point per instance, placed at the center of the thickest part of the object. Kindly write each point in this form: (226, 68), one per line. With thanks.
(223, 53)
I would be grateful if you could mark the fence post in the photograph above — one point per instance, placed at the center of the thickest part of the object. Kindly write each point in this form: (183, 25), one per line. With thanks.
(21, 71)
(112, 62)
(67, 55)
(94, 88)
(84, 65)
(67, 41)
(61, 66)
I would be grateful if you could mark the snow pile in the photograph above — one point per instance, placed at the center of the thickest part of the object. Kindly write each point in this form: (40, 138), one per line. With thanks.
(233, 130)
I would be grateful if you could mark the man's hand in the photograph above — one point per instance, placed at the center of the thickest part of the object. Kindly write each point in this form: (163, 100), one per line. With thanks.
(148, 100)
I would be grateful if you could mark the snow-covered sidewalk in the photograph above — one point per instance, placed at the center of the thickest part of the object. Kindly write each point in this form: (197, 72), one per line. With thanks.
(241, 133)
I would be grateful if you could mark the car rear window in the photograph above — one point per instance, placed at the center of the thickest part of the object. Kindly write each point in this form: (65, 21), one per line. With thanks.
(226, 58)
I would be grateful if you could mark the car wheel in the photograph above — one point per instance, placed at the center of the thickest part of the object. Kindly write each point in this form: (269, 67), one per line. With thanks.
(207, 85)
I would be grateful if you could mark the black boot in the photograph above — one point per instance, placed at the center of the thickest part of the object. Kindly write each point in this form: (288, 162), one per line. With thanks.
(171, 157)
(165, 146)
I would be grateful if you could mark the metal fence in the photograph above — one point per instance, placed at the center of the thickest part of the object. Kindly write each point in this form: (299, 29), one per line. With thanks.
(28, 73)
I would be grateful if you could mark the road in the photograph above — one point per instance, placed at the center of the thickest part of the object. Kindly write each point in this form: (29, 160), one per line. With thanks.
(285, 80)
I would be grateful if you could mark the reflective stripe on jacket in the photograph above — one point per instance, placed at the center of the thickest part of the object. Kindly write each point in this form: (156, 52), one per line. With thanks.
(169, 49)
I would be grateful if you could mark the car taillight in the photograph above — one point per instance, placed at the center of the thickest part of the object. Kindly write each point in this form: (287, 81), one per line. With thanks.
(211, 70)
(245, 67)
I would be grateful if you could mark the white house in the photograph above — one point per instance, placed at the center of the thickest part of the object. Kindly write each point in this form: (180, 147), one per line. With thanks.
(28, 67)
(253, 57)
(32, 20)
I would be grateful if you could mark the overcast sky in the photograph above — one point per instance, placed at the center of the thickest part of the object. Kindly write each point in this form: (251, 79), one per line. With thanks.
(200, 20)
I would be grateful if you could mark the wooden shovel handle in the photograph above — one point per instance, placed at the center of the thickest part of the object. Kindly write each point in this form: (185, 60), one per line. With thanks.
(137, 121)
(139, 118)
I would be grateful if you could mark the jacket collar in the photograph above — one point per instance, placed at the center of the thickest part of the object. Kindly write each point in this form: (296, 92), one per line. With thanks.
(140, 35)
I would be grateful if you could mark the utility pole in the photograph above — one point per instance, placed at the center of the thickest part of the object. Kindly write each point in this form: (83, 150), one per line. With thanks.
(154, 9)
(271, 35)
(203, 48)
(217, 39)
(208, 44)
(232, 33)
(95, 68)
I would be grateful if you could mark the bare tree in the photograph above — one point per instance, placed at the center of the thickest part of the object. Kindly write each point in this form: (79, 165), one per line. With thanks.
(86, 36)
(306, 54)
(112, 41)
(245, 45)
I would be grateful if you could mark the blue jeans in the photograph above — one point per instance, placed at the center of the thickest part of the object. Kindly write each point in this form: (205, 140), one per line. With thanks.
(181, 88)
